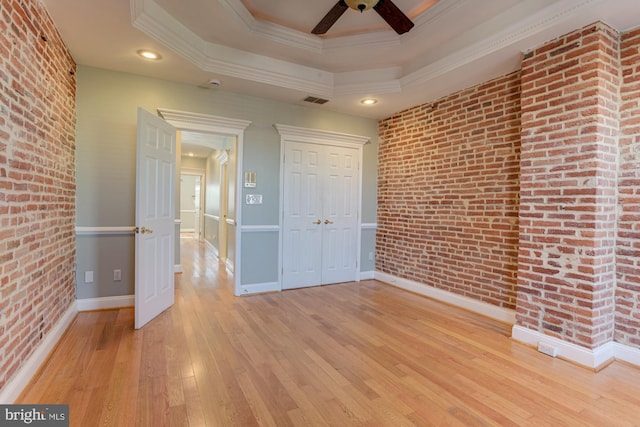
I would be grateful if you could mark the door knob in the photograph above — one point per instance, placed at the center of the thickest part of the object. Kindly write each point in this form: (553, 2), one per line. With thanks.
(144, 230)
(317, 222)
(326, 221)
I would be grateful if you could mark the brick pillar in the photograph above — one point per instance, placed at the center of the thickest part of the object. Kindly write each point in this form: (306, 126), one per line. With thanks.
(570, 125)
(628, 244)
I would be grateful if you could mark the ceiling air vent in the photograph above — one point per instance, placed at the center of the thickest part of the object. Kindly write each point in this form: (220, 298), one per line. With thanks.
(315, 100)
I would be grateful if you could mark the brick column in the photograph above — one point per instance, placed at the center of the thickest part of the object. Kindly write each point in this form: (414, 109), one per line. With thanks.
(570, 125)
(628, 243)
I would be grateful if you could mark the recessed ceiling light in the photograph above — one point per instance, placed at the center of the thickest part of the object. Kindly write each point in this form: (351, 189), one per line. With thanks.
(149, 54)
(191, 154)
(369, 101)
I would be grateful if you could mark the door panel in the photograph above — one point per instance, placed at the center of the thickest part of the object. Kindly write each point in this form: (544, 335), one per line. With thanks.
(302, 229)
(155, 201)
(340, 216)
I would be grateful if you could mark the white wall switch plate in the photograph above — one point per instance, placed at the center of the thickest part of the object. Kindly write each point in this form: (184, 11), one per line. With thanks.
(254, 199)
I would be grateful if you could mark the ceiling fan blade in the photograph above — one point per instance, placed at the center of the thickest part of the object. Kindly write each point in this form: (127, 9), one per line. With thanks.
(394, 16)
(330, 18)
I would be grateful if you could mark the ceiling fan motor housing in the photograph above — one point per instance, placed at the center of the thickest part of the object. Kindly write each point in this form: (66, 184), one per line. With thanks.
(385, 8)
(361, 5)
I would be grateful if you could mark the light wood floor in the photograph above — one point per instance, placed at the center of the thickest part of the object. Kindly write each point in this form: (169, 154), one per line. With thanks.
(341, 355)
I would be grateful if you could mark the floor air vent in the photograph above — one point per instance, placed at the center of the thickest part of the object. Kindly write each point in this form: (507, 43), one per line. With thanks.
(315, 100)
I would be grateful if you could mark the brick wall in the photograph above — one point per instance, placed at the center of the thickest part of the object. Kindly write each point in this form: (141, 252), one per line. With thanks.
(628, 238)
(448, 192)
(450, 183)
(566, 266)
(37, 180)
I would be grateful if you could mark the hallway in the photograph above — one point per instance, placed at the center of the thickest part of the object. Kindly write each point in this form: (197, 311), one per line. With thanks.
(344, 355)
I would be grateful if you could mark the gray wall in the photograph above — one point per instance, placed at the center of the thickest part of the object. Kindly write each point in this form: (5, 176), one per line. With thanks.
(107, 103)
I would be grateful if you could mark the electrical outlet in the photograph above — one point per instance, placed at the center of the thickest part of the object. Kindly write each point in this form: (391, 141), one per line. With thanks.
(370, 256)
(88, 277)
(117, 275)
(548, 349)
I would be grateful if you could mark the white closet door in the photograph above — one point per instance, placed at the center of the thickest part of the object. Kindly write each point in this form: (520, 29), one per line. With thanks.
(340, 218)
(302, 239)
(321, 185)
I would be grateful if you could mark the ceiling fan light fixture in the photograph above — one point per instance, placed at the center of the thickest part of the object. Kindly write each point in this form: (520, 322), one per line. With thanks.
(361, 5)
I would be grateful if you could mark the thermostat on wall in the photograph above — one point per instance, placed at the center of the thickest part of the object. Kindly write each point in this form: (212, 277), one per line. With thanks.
(250, 180)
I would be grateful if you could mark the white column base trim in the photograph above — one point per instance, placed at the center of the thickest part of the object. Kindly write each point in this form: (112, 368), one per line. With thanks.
(489, 310)
(627, 354)
(12, 389)
(106, 303)
(177, 268)
(590, 358)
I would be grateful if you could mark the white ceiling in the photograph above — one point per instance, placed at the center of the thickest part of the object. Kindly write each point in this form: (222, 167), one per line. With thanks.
(264, 47)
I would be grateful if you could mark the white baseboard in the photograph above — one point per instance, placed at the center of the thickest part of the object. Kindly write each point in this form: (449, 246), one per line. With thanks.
(367, 275)
(594, 359)
(590, 358)
(483, 308)
(177, 268)
(229, 265)
(257, 288)
(212, 247)
(627, 354)
(105, 303)
(12, 389)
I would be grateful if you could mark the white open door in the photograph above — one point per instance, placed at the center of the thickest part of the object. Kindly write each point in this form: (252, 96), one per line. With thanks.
(155, 211)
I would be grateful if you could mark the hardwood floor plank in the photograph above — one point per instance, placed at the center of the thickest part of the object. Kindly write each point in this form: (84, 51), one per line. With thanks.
(354, 354)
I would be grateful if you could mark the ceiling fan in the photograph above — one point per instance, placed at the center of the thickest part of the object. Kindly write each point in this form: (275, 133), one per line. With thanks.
(385, 8)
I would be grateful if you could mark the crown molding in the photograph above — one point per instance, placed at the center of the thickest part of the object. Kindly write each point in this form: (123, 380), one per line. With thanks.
(288, 36)
(320, 136)
(521, 30)
(151, 19)
(378, 87)
(196, 121)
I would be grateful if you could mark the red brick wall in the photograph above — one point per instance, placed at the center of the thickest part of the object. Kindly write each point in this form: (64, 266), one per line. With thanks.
(448, 192)
(566, 266)
(37, 180)
(628, 238)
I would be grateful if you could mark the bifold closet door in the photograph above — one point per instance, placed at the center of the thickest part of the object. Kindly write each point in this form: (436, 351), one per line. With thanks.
(321, 185)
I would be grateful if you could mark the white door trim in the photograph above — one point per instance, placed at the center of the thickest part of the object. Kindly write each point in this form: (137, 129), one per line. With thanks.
(322, 137)
(197, 122)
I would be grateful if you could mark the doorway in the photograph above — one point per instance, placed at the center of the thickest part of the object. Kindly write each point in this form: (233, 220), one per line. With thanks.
(231, 132)
(191, 205)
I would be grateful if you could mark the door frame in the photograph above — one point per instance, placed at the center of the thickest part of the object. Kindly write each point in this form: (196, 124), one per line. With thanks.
(196, 122)
(223, 245)
(321, 137)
